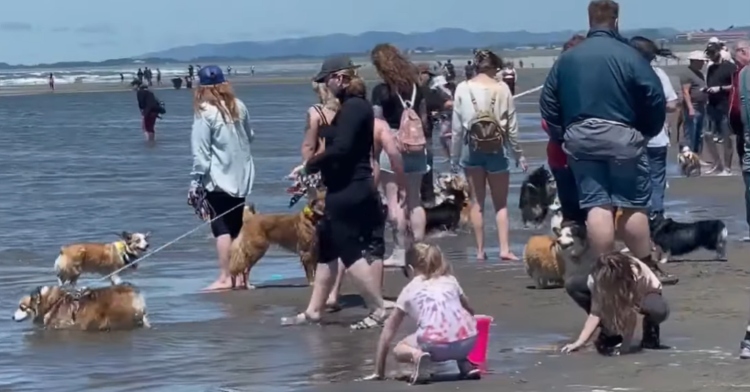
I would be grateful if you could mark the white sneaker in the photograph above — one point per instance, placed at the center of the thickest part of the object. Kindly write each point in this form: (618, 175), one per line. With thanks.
(397, 259)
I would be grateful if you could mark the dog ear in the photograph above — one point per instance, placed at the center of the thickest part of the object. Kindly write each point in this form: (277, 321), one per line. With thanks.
(148, 234)
(125, 235)
(580, 231)
(556, 231)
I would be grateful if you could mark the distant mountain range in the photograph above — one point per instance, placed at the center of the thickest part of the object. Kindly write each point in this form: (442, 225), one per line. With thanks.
(440, 40)
(444, 41)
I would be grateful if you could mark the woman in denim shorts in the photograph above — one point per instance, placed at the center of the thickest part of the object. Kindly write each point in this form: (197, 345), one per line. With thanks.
(483, 168)
(400, 84)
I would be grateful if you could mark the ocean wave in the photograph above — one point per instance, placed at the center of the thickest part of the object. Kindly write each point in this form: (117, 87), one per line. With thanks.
(23, 77)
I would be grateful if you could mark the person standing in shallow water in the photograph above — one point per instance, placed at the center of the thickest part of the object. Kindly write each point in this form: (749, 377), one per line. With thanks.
(485, 132)
(150, 111)
(222, 162)
(399, 92)
(353, 223)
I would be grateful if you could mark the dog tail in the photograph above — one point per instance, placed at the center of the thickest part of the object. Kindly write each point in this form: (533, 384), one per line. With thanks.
(237, 264)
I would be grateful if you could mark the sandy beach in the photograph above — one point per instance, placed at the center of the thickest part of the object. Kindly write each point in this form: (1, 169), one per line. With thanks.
(112, 181)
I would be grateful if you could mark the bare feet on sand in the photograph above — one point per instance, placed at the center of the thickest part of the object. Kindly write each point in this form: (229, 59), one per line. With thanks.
(221, 284)
(508, 256)
(482, 255)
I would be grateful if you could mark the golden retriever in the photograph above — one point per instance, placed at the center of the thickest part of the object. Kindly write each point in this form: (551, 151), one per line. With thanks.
(293, 232)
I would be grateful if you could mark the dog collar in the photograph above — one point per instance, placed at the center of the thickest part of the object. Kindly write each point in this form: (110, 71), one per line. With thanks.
(309, 213)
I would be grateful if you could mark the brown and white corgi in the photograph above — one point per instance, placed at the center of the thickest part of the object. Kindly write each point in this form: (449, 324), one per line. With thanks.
(100, 309)
(99, 258)
(543, 262)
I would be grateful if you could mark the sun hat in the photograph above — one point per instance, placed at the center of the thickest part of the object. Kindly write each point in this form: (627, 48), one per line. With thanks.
(210, 75)
(332, 65)
(697, 55)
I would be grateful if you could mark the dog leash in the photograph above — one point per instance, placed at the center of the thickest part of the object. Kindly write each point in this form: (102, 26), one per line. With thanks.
(170, 243)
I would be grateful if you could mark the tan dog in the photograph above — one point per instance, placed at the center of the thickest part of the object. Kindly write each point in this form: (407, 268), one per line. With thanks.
(293, 232)
(543, 261)
(99, 258)
(100, 309)
(690, 163)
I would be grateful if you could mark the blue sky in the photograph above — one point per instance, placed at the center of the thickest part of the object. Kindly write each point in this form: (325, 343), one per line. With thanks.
(36, 31)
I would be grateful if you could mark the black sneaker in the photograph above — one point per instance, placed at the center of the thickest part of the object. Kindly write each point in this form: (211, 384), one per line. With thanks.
(651, 339)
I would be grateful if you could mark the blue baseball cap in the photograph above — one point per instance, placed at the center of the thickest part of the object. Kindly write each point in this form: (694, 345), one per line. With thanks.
(210, 75)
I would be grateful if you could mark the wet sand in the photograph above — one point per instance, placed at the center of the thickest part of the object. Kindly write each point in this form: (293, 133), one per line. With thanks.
(201, 342)
(709, 313)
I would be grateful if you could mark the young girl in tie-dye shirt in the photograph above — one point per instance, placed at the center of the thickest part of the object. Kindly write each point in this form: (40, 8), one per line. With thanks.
(446, 329)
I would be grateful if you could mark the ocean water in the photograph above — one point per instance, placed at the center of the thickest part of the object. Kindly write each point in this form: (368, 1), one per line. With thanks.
(76, 168)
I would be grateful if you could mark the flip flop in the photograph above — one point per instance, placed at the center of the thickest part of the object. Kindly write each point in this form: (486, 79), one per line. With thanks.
(299, 319)
(333, 308)
(367, 323)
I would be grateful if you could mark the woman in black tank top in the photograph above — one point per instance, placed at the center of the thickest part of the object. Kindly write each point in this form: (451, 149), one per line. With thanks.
(318, 134)
(352, 229)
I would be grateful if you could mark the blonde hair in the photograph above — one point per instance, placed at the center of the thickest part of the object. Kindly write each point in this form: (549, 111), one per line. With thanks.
(326, 97)
(428, 260)
(219, 95)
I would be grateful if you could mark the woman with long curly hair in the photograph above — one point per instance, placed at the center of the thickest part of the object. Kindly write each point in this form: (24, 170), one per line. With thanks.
(398, 93)
(485, 131)
(223, 167)
(622, 287)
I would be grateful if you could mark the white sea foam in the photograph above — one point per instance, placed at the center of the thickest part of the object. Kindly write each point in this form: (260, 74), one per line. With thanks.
(29, 77)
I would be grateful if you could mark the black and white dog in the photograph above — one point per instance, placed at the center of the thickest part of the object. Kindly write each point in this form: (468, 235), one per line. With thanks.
(676, 238)
(538, 192)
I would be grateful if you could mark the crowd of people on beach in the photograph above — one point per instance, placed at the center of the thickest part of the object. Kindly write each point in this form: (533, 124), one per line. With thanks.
(607, 151)
(604, 106)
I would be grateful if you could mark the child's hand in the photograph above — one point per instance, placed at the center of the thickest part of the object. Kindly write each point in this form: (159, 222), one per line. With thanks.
(569, 348)
(372, 377)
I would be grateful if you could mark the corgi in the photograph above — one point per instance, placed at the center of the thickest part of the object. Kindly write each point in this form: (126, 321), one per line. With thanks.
(100, 309)
(541, 257)
(100, 258)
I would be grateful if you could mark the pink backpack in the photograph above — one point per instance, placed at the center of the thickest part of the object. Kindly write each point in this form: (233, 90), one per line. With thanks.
(410, 135)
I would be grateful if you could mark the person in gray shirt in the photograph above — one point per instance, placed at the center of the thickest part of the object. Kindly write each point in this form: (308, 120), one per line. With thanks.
(692, 86)
(223, 169)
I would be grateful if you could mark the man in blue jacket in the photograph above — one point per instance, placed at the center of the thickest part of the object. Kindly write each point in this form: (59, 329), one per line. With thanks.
(603, 101)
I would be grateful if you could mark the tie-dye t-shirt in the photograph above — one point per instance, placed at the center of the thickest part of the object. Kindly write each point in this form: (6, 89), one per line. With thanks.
(436, 306)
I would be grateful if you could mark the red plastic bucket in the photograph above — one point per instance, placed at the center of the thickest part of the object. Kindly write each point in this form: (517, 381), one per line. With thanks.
(478, 355)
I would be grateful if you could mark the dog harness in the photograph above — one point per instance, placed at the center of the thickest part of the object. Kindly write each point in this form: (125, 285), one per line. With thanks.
(124, 252)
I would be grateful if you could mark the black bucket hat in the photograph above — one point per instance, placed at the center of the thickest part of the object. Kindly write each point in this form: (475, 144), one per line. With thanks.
(334, 64)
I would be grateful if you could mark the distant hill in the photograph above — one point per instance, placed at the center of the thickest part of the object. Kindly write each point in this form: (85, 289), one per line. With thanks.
(440, 40)
(446, 41)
